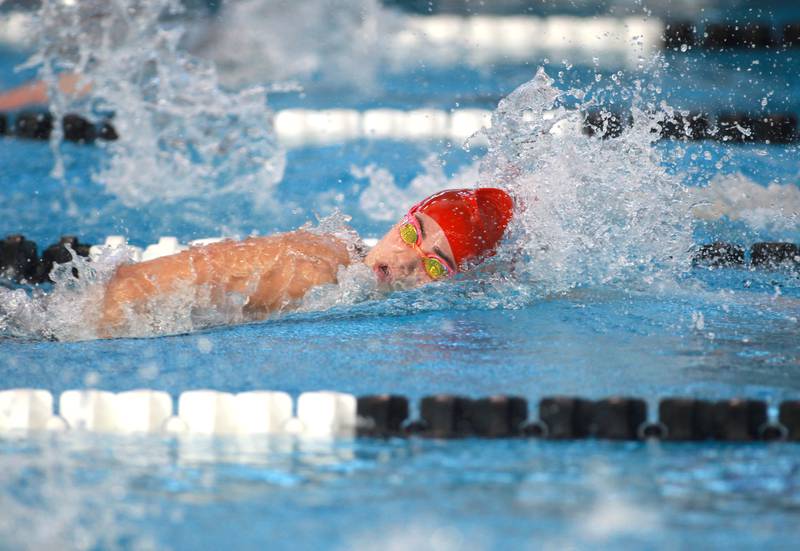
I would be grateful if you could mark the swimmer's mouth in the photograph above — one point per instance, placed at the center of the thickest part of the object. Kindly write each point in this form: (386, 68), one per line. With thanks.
(382, 273)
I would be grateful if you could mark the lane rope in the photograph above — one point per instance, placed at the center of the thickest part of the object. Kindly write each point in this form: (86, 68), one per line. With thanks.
(309, 127)
(326, 414)
(484, 39)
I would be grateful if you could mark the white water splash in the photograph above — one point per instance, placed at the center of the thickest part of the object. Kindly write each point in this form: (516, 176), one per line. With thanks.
(385, 201)
(774, 207)
(589, 211)
(180, 134)
(69, 312)
(333, 43)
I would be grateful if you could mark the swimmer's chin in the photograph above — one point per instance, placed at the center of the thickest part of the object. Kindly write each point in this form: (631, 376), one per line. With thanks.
(390, 286)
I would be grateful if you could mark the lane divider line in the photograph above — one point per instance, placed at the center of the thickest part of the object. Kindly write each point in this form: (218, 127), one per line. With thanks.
(481, 39)
(327, 415)
(309, 127)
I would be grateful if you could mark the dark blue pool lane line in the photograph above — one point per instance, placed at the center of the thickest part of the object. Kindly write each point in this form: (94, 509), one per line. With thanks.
(572, 418)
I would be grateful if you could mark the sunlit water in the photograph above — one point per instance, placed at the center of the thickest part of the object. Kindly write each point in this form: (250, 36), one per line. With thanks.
(602, 300)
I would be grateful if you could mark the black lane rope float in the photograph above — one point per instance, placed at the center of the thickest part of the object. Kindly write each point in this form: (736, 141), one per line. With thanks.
(767, 255)
(726, 127)
(38, 125)
(574, 418)
(768, 128)
(726, 36)
(20, 260)
(441, 416)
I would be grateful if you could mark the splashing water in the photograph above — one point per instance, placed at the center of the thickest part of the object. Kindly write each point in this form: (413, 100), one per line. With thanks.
(333, 43)
(180, 134)
(775, 207)
(589, 211)
(383, 200)
(71, 310)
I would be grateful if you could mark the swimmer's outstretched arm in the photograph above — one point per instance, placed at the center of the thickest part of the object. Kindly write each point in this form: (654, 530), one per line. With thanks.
(268, 273)
(35, 93)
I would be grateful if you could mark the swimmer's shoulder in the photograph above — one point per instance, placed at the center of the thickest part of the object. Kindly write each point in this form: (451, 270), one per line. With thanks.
(304, 242)
(323, 246)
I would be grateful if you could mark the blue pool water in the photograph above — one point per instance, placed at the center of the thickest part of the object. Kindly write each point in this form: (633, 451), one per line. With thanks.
(694, 332)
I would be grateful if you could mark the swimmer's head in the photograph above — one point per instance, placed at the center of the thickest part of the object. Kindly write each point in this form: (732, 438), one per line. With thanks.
(442, 235)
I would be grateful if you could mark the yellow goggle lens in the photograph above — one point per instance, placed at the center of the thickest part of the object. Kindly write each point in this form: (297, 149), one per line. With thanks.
(434, 268)
(408, 234)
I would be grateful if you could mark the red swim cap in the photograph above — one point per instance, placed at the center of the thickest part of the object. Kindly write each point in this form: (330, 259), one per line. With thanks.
(473, 220)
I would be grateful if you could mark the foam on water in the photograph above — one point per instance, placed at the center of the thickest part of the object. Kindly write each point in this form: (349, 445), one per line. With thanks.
(71, 310)
(180, 134)
(774, 207)
(385, 201)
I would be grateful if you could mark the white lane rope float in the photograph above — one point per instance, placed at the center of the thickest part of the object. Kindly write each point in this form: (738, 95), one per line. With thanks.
(326, 414)
(487, 39)
(314, 127)
(475, 39)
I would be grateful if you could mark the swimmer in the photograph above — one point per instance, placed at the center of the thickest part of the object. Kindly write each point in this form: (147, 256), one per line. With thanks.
(442, 235)
(35, 93)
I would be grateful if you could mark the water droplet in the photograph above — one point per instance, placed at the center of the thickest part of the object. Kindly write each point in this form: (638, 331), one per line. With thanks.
(204, 345)
(91, 379)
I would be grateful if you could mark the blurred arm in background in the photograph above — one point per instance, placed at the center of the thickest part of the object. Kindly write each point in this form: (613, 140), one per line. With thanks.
(35, 93)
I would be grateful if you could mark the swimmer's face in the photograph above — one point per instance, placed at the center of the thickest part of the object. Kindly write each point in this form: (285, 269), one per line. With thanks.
(398, 265)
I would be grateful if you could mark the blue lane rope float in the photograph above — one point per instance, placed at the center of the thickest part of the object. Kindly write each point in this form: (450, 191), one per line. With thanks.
(21, 263)
(334, 414)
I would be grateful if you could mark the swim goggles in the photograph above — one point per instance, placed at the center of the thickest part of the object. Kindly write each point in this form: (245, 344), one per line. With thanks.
(435, 266)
